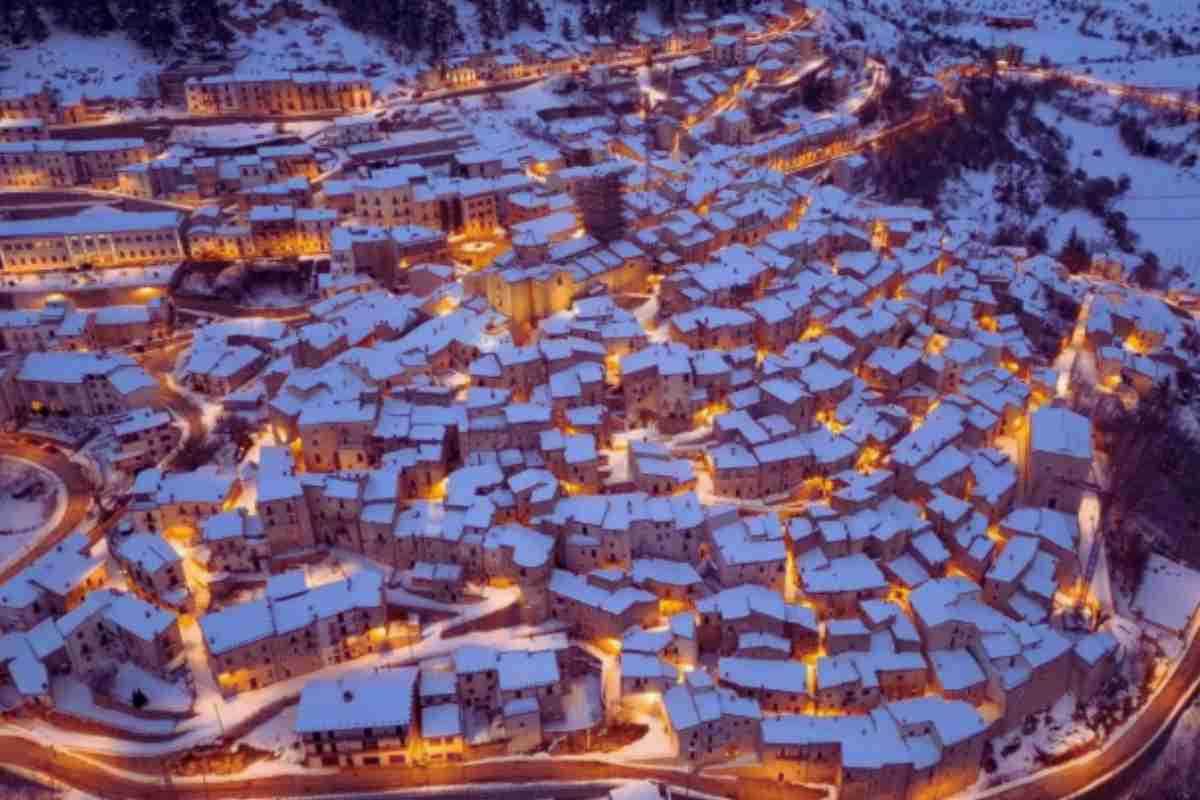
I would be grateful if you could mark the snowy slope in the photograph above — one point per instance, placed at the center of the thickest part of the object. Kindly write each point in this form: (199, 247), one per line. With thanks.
(313, 37)
(1162, 203)
(1115, 29)
(78, 65)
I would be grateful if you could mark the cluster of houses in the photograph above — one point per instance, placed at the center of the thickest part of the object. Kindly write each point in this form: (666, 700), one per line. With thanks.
(269, 174)
(696, 34)
(59, 325)
(479, 700)
(42, 163)
(782, 465)
(58, 618)
(529, 195)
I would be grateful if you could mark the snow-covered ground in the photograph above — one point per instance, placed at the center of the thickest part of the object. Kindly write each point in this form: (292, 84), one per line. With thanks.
(1065, 33)
(242, 133)
(656, 744)
(73, 697)
(79, 66)
(1169, 74)
(25, 520)
(160, 695)
(1024, 752)
(278, 736)
(583, 706)
(1169, 594)
(1162, 203)
(273, 297)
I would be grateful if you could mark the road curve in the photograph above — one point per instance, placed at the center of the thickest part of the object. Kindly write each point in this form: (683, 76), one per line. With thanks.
(1089, 777)
(85, 775)
(1124, 753)
(79, 497)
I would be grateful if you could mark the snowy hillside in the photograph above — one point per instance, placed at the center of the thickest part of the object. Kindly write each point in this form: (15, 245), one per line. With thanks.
(1161, 202)
(1149, 45)
(1065, 32)
(112, 65)
(305, 34)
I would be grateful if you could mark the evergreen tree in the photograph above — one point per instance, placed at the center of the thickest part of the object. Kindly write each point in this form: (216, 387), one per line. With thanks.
(537, 17)
(443, 29)
(149, 23)
(489, 20)
(1074, 254)
(591, 22)
(8, 22)
(361, 15)
(411, 28)
(668, 11)
(518, 12)
(29, 25)
(86, 17)
(203, 23)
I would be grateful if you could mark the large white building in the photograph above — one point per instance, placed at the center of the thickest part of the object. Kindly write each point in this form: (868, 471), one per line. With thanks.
(97, 237)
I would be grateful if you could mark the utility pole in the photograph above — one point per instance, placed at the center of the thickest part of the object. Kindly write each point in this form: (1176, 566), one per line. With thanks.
(220, 722)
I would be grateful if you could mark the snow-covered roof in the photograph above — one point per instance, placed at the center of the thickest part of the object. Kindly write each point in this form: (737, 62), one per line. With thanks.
(376, 700)
(1061, 431)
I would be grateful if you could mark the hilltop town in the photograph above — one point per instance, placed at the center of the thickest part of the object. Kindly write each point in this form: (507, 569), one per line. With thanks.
(588, 410)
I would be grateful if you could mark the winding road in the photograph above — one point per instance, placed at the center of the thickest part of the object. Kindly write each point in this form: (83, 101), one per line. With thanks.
(79, 496)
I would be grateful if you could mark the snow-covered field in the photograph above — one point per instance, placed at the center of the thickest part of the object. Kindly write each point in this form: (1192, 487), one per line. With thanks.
(79, 66)
(1163, 201)
(1169, 594)
(277, 736)
(1170, 74)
